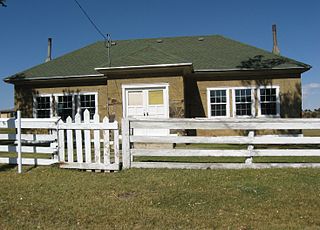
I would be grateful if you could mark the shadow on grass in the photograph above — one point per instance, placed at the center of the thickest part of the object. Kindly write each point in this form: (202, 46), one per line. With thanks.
(6, 167)
(12, 167)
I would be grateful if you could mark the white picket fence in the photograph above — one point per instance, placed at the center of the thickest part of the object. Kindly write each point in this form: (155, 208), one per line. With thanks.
(75, 148)
(130, 151)
(31, 141)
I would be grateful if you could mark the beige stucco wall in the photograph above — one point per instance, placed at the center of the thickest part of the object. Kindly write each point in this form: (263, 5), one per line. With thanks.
(24, 96)
(5, 115)
(197, 104)
(108, 93)
(290, 94)
(187, 94)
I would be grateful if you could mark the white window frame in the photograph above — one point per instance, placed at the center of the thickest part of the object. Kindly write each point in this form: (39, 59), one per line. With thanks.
(234, 109)
(277, 87)
(87, 93)
(56, 95)
(35, 104)
(227, 102)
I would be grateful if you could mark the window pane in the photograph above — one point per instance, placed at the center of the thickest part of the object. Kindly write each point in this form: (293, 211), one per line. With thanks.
(64, 107)
(218, 103)
(135, 98)
(243, 102)
(155, 97)
(43, 107)
(88, 102)
(268, 98)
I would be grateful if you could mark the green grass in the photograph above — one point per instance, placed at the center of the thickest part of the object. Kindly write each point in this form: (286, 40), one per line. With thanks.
(7, 131)
(311, 133)
(228, 159)
(52, 198)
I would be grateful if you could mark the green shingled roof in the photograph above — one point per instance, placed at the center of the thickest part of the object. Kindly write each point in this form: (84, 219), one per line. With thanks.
(212, 52)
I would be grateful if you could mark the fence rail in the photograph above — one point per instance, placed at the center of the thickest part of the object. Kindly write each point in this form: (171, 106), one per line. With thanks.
(14, 142)
(81, 144)
(132, 144)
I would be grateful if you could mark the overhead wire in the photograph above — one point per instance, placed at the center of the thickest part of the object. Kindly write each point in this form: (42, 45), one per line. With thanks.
(91, 21)
(107, 42)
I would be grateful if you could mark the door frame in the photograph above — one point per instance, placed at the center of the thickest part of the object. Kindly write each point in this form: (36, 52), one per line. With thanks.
(127, 87)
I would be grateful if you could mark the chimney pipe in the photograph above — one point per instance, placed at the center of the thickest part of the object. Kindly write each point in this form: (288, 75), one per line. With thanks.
(275, 48)
(49, 49)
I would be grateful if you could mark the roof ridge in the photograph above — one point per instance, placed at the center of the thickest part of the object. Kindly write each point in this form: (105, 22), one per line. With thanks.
(165, 37)
(148, 47)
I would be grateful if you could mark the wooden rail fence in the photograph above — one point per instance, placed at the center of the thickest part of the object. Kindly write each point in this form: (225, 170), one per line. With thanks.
(130, 151)
(30, 141)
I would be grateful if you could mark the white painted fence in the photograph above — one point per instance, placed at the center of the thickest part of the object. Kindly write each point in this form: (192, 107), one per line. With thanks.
(75, 143)
(129, 152)
(31, 142)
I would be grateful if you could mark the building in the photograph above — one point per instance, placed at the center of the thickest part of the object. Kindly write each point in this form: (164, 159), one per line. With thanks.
(195, 76)
(7, 113)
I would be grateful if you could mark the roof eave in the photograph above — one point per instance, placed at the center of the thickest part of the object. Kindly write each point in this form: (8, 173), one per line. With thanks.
(176, 67)
(295, 69)
(13, 80)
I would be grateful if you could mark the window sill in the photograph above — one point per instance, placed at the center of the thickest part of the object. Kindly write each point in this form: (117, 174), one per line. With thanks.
(268, 116)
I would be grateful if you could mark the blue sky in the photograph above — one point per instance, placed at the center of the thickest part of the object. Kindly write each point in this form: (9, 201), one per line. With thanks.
(26, 25)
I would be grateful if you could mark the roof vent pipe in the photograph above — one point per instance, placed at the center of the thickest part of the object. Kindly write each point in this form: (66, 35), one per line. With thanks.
(275, 48)
(49, 49)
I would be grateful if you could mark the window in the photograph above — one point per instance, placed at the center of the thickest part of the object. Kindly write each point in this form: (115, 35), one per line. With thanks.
(65, 105)
(243, 102)
(155, 97)
(135, 98)
(88, 102)
(43, 108)
(218, 100)
(269, 101)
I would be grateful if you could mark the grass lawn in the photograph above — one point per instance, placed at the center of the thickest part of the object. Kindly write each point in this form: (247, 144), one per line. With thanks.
(50, 198)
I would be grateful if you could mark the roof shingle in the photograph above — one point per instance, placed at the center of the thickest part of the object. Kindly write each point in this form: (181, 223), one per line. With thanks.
(212, 52)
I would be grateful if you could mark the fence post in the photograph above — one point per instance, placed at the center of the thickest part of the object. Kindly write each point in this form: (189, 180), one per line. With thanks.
(18, 125)
(55, 145)
(249, 159)
(126, 158)
(61, 145)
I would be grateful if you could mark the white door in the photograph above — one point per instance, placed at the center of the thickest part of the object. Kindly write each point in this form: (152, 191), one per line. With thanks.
(147, 102)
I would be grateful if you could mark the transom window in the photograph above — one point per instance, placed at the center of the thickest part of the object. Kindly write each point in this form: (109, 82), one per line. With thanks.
(218, 102)
(269, 101)
(43, 107)
(243, 102)
(65, 105)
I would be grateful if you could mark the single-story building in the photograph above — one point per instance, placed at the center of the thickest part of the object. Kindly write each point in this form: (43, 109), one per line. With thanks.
(7, 113)
(193, 76)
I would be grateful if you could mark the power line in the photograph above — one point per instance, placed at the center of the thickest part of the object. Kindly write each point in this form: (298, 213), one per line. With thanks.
(2, 3)
(91, 21)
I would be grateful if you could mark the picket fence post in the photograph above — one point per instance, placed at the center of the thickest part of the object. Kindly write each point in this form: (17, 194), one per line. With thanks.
(87, 138)
(78, 139)
(61, 142)
(96, 139)
(126, 158)
(106, 145)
